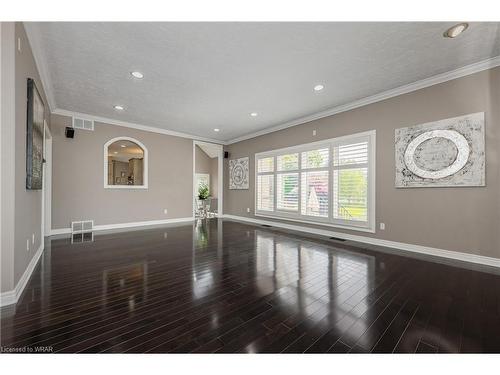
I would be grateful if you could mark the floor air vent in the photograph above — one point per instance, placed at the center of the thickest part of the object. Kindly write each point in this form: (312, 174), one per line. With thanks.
(82, 231)
(337, 239)
(82, 226)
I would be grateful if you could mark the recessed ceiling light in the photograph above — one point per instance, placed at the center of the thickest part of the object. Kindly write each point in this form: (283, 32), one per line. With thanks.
(318, 87)
(116, 152)
(118, 107)
(123, 146)
(216, 130)
(254, 114)
(137, 75)
(456, 30)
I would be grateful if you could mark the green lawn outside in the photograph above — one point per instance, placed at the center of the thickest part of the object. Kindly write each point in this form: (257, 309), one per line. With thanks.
(358, 213)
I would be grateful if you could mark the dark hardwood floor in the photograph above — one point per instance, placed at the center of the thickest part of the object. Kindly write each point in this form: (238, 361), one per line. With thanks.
(228, 287)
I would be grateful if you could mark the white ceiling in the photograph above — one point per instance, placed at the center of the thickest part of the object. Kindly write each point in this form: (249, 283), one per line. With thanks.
(201, 76)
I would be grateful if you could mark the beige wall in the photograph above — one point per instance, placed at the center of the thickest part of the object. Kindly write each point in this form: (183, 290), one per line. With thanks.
(24, 209)
(201, 161)
(7, 150)
(207, 165)
(78, 177)
(460, 219)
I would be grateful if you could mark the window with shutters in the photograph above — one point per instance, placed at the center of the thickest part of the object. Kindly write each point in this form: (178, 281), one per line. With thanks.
(350, 181)
(330, 182)
(287, 182)
(265, 184)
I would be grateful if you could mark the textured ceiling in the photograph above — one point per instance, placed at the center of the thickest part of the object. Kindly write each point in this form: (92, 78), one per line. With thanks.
(201, 76)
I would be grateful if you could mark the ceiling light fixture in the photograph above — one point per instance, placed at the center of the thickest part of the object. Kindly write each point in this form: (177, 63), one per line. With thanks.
(318, 87)
(254, 114)
(216, 130)
(123, 146)
(137, 75)
(116, 152)
(118, 107)
(456, 30)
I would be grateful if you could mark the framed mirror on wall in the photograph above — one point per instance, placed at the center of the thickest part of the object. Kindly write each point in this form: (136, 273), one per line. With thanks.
(125, 164)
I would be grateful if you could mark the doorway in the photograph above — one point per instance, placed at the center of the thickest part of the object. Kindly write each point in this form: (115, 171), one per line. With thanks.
(207, 179)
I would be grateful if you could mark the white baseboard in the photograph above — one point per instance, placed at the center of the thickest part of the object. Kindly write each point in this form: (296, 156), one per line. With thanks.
(54, 232)
(464, 257)
(8, 298)
(12, 296)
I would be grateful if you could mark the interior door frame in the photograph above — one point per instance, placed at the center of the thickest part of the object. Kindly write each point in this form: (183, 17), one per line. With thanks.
(46, 183)
(220, 176)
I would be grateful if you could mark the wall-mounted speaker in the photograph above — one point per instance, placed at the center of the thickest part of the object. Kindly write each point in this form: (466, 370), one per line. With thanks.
(226, 154)
(70, 132)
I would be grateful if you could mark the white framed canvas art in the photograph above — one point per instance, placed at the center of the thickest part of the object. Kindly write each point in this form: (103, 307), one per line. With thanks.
(238, 174)
(443, 153)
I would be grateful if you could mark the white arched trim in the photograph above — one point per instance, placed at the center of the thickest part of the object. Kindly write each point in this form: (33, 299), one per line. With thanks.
(144, 164)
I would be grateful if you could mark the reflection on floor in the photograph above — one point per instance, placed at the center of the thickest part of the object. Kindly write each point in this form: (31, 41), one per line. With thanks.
(222, 286)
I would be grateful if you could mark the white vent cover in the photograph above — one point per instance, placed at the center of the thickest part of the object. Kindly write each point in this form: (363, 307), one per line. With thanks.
(82, 226)
(81, 123)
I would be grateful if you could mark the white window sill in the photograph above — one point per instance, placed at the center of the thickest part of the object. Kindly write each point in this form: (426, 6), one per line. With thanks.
(319, 223)
(127, 187)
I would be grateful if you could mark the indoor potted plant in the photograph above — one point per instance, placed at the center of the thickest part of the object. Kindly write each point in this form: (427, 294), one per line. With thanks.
(203, 192)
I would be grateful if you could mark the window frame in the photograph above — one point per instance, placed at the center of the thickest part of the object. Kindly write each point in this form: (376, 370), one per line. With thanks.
(297, 216)
(144, 165)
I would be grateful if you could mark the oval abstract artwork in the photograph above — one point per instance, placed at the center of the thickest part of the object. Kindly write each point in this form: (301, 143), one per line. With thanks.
(433, 148)
(447, 152)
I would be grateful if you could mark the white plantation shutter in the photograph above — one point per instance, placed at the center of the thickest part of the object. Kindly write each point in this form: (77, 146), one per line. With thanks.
(265, 192)
(315, 158)
(287, 184)
(288, 162)
(265, 165)
(287, 191)
(349, 154)
(329, 182)
(314, 188)
(350, 181)
(315, 195)
(265, 184)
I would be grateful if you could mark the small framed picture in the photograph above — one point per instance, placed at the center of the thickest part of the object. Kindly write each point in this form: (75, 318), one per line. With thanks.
(123, 174)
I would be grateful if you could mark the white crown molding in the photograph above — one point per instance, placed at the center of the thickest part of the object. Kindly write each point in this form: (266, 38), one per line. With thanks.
(55, 232)
(152, 129)
(434, 80)
(12, 296)
(432, 251)
(38, 55)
